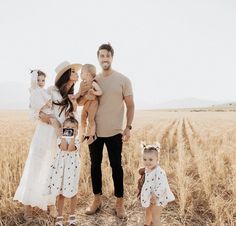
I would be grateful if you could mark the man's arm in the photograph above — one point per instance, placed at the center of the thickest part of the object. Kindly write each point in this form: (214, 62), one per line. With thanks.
(129, 102)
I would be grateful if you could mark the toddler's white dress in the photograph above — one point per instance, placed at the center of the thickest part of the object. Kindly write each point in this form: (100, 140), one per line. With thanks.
(65, 171)
(156, 182)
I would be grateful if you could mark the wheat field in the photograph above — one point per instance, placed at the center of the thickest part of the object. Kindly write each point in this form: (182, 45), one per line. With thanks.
(198, 155)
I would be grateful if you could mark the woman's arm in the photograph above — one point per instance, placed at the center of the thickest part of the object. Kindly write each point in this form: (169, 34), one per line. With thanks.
(73, 101)
(44, 117)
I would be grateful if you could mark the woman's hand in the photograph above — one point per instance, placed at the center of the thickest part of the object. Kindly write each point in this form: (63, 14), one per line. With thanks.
(44, 117)
(73, 101)
(72, 98)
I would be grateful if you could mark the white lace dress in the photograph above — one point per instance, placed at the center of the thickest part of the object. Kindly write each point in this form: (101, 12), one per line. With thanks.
(31, 190)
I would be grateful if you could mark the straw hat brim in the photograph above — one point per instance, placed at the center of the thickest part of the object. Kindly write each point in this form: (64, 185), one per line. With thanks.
(76, 67)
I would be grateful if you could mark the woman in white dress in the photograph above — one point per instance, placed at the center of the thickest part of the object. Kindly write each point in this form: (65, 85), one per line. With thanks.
(43, 146)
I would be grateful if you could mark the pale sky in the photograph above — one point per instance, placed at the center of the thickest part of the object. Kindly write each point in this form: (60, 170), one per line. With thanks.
(169, 49)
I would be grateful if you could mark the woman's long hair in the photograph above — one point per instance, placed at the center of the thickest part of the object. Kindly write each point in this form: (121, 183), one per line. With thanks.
(65, 104)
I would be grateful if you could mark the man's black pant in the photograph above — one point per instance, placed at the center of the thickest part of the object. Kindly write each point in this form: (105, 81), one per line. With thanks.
(114, 148)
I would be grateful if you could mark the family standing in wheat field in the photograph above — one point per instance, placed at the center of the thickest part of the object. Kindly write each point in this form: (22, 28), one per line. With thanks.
(52, 168)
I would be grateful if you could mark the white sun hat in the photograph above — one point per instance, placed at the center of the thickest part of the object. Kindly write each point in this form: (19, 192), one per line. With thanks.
(64, 66)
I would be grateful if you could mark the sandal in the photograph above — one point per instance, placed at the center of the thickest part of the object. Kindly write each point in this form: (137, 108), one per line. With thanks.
(72, 220)
(59, 221)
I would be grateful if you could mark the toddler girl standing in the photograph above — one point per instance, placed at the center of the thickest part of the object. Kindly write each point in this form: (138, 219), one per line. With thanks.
(64, 177)
(155, 192)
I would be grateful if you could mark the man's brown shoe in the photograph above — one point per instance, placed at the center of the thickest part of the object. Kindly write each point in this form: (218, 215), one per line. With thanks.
(96, 205)
(120, 209)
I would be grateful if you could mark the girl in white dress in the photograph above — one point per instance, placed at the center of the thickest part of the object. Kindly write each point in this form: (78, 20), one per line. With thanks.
(64, 177)
(155, 193)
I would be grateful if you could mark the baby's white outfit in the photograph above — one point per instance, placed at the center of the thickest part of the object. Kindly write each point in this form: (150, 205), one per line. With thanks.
(65, 171)
(39, 101)
(156, 182)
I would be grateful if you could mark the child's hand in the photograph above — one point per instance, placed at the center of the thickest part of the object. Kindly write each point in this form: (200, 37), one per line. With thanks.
(75, 132)
(153, 199)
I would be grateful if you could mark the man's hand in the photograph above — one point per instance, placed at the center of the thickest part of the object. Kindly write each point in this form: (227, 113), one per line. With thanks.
(126, 135)
(44, 117)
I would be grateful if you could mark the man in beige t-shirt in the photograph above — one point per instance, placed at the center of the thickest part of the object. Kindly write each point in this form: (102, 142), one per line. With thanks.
(117, 92)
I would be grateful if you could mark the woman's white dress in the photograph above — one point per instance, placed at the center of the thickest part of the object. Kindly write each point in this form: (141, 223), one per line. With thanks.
(31, 190)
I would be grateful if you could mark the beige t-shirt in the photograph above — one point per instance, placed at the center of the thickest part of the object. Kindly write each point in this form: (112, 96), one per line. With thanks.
(110, 114)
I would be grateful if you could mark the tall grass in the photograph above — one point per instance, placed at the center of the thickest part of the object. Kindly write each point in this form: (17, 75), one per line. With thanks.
(198, 154)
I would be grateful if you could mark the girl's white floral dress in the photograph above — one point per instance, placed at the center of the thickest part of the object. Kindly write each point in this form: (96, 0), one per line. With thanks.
(156, 182)
(65, 171)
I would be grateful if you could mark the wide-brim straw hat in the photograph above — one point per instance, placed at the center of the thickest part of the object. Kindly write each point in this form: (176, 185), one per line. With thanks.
(64, 66)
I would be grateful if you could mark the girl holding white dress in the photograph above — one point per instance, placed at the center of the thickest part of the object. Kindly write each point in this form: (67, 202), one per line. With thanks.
(31, 190)
(155, 192)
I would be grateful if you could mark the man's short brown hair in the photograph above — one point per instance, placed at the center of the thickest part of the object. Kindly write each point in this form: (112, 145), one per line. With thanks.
(108, 47)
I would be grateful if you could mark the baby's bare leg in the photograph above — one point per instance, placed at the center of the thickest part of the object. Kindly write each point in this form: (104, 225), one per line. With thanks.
(156, 215)
(93, 107)
(84, 115)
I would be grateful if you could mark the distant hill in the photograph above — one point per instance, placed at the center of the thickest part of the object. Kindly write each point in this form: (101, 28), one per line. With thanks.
(15, 95)
(187, 103)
